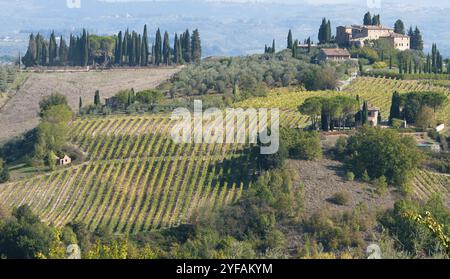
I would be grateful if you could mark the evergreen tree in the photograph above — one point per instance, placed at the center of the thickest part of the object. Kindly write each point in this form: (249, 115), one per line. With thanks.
(418, 40)
(97, 98)
(376, 20)
(399, 27)
(365, 113)
(412, 38)
(119, 52)
(144, 48)
(434, 58)
(295, 49)
(322, 32)
(428, 66)
(289, 40)
(84, 48)
(390, 62)
(196, 47)
(328, 32)
(273, 49)
(80, 104)
(309, 44)
(395, 107)
(3, 80)
(187, 47)
(63, 52)
(52, 49)
(178, 52)
(29, 59)
(166, 49)
(367, 19)
(158, 48)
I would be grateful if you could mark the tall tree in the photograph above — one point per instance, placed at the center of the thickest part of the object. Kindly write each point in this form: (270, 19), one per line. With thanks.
(177, 50)
(97, 98)
(187, 47)
(399, 27)
(289, 40)
(166, 49)
(30, 57)
(144, 48)
(365, 113)
(322, 31)
(368, 19)
(63, 52)
(52, 50)
(418, 40)
(273, 46)
(196, 46)
(158, 48)
(376, 20)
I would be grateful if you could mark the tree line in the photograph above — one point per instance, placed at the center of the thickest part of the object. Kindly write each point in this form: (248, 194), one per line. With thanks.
(124, 49)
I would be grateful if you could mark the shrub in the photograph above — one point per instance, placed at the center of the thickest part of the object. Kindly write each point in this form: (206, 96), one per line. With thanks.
(340, 198)
(381, 185)
(365, 176)
(379, 65)
(349, 176)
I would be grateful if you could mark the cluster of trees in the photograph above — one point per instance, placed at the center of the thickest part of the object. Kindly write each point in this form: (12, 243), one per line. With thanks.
(333, 112)
(369, 20)
(417, 107)
(132, 49)
(53, 130)
(127, 48)
(268, 49)
(377, 153)
(7, 76)
(325, 32)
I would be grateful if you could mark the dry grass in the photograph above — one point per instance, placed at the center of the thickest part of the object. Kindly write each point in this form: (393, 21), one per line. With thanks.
(21, 112)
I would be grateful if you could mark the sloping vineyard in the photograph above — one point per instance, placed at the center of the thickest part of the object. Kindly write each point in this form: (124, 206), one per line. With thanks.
(135, 179)
(377, 91)
(427, 184)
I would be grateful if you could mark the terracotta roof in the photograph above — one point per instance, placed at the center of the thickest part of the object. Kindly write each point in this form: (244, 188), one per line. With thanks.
(336, 52)
(372, 27)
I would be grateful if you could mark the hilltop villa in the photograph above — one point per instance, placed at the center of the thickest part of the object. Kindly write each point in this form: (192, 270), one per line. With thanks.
(357, 35)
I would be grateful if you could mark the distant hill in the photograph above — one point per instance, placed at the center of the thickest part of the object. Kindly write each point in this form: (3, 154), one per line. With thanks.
(227, 27)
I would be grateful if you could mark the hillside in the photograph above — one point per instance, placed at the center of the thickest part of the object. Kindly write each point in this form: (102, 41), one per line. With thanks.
(135, 178)
(21, 112)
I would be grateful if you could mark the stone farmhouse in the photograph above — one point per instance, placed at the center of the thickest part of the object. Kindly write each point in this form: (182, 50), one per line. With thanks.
(334, 54)
(64, 161)
(358, 35)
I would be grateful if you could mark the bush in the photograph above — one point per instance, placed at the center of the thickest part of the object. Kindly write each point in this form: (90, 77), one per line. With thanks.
(301, 145)
(379, 65)
(340, 198)
(365, 176)
(397, 123)
(349, 176)
(381, 185)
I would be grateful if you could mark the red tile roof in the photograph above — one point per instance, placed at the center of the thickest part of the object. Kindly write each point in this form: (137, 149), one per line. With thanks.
(336, 52)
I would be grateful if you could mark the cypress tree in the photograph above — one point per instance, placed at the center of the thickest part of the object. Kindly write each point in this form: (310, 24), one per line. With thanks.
(434, 58)
(84, 49)
(395, 107)
(294, 49)
(166, 49)
(328, 32)
(273, 46)
(418, 40)
(289, 40)
(119, 55)
(390, 62)
(97, 98)
(376, 20)
(80, 104)
(322, 31)
(144, 48)
(176, 50)
(399, 27)
(309, 44)
(158, 48)
(365, 113)
(187, 47)
(63, 52)
(29, 59)
(367, 19)
(52, 49)
(196, 47)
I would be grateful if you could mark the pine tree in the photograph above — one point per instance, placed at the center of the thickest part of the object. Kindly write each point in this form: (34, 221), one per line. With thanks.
(166, 49)
(196, 47)
(367, 19)
(399, 27)
(289, 40)
(158, 48)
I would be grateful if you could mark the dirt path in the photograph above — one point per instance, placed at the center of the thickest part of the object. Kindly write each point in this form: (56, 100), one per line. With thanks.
(21, 112)
(323, 178)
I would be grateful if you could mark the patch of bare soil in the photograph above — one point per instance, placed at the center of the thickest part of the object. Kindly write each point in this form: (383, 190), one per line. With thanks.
(20, 113)
(324, 178)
